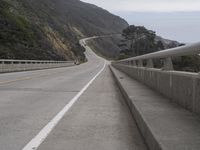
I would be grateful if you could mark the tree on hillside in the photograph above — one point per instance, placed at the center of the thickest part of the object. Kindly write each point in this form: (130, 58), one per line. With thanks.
(140, 41)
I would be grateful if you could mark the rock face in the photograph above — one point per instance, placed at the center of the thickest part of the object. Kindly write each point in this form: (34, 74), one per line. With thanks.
(167, 43)
(51, 29)
(134, 41)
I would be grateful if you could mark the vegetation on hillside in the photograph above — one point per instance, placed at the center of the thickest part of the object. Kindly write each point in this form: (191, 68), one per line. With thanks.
(51, 29)
(139, 41)
(133, 41)
(187, 63)
(16, 34)
(107, 46)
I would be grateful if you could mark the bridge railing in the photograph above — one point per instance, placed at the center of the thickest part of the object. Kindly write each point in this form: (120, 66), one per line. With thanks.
(7, 65)
(180, 87)
(166, 55)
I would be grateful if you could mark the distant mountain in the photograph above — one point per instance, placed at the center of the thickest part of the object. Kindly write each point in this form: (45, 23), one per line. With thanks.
(50, 29)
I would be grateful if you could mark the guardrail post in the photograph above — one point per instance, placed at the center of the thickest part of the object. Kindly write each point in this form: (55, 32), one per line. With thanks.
(140, 63)
(133, 63)
(150, 63)
(168, 65)
(2, 64)
(10, 66)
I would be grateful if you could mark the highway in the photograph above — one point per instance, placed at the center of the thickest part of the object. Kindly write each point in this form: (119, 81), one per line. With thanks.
(72, 108)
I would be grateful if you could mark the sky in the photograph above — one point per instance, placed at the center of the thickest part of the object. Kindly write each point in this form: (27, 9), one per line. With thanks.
(173, 19)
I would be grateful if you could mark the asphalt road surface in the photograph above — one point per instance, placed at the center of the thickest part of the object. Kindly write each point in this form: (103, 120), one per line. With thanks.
(72, 108)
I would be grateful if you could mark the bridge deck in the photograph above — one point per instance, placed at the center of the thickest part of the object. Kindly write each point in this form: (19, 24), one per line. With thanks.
(99, 120)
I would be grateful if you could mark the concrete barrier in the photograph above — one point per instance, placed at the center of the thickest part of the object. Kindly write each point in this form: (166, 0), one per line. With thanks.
(180, 87)
(27, 65)
(164, 125)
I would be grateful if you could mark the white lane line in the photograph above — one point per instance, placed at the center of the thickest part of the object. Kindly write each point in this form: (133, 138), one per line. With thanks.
(42, 135)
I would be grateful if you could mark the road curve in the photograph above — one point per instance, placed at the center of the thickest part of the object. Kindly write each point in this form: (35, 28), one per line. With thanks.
(98, 119)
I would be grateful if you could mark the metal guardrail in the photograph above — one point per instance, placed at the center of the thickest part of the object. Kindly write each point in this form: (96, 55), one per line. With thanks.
(166, 55)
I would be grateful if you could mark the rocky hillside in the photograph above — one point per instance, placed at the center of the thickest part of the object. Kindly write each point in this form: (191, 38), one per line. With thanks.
(107, 47)
(167, 43)
(134, 40)
(51, 29)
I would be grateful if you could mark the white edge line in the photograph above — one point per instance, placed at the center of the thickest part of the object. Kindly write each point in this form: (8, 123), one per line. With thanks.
(42, 135)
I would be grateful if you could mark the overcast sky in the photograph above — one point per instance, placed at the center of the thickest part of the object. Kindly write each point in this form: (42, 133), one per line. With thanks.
(148, 5)
(174, 19)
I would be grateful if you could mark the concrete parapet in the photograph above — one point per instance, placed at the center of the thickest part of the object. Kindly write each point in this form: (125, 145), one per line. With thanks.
(180, 87)
(163, 124)
(27, 65)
